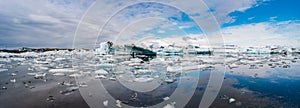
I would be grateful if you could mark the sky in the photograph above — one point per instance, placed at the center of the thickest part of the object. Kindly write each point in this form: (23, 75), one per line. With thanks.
(54, 23)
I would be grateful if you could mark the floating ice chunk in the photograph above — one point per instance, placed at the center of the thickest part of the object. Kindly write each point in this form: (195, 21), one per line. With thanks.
(50, 98)
(83, 85)
(118, 103)
(3, 54)
(18, 59)
(185, 68)
(13, 80)
(67, 70)
(101, 72)
(169, 106)
(32, 74)
(168, 80)
(100, 76)
(30, 69)
(134, 64)
(119, 72)
(144, 70)
(59, 74)
(105, 103)
(113, 78)
(105, 65)
(75, 75)
(134, 96)
(231, 66)
(69, 90)
(231, 100)
(5, 60)
(13, 74)
(173, 69)
(41, 62)
(3, 70)
(136, 60)
(143, 79)
(125, 62)
(39, 75)
(4, 88)
(66, 83)
(59, 59)
(166, 98)
(43, 68)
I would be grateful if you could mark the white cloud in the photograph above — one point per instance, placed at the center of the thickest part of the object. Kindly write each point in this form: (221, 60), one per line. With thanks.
(43, 19)
(42, 23)
(222, 8)
(265, 33)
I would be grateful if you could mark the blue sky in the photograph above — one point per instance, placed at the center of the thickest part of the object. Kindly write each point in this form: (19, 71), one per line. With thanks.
(53, 23)
(273, 10)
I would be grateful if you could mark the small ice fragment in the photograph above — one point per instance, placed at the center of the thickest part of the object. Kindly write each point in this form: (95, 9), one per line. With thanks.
(143, 79)
(100, 76)
(112, 78)
(66, 83)
(101, 72)
(166, 98)
(105, 103)
(33, 74)
(68, 70)
(69, 90)
(231, 100)
(3, 70)
(30, 69)
(75, 75)
(13, 80)
(173, 103)
(59, 59)
(50, 98)
(118, 103)
(58, 74)
(169, 80)
(134, 96)
(39, 75)
(106, 65)
(4, 88)
(83, 85)
(13, 74)
(169, 106)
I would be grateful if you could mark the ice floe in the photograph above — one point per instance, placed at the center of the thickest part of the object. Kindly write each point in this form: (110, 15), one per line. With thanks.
(3, 70)
(105, 103)
(66, 70)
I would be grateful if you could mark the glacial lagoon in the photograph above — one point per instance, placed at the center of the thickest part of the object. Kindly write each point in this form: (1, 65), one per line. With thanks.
(63, 80)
